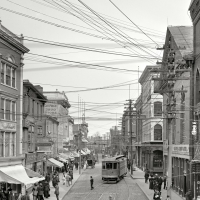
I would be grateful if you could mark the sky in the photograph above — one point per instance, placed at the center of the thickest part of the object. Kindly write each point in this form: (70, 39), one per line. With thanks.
(94, 51)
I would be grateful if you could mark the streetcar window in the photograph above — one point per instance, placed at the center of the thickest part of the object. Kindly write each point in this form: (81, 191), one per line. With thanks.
(114, 165)
(108, 165)
(103, 165)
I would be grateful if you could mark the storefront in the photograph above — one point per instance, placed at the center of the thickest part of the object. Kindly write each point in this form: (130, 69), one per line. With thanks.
(18, 179)
(41, 163)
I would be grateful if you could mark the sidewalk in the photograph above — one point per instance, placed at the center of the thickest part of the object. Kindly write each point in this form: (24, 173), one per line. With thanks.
(138, 176)
(63, 189)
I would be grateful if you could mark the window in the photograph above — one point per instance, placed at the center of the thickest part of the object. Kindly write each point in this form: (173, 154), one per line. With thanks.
(8, 75)
(7, 144)
(114, 165)
(8, 109)
(38, 110)
(29, 141)
(13, 111)
(2, 108)
(157, 132)
(39, 131)
(103, 166)
(13, 77)
(12, 151)
(157, 109)
(157, 158)
(2, 72)
(1, 144)
(108, 165)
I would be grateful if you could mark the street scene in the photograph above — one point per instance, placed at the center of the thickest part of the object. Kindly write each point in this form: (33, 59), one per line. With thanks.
(99, 100)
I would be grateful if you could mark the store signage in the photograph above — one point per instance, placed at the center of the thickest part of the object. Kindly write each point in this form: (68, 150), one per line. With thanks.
(30, 158)
(51, 109)
(8, 126)
(180, 149)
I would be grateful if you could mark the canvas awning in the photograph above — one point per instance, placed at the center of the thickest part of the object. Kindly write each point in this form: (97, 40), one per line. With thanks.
(17, 174)
(32, 174)
(87, 151)
(53, 162)
(62, 159)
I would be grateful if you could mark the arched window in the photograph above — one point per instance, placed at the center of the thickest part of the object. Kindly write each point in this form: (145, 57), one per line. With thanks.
(157, 108)
(157, 132)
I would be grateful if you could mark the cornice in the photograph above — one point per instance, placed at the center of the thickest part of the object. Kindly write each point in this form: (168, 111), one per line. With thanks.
(13, 42)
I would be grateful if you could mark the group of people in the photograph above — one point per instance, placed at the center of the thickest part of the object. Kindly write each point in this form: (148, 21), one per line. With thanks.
(7, 194)
(67, 178)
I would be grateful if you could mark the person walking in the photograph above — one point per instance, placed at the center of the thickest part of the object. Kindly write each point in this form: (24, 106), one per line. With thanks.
(46, 189)
(188, 195)
(57, 191)
(11, 195)
(151, 180)
(64, 179)
(157, 195)
(35, 191)
(40, 192)
(164, 182)
(146, 176)
(91, 182)
(54, 180)
(47, 177)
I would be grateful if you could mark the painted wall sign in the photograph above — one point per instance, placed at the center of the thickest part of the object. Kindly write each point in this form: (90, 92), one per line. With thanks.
(8, 126)
(181, 149)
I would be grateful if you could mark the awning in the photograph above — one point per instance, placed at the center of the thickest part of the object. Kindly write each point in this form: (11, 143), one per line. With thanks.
(16, 174)
(53, 162)
(62, 159)
(87, 151)
(33, 174)
(76, 155)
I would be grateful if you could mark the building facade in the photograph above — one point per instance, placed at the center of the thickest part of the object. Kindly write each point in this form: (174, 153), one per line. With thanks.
(175, 85)
(33, 110)
(11, 92)
(57, 106)
(150, 136)
(195, 16)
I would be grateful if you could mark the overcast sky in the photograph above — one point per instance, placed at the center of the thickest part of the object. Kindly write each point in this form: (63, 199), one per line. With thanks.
(72, 23)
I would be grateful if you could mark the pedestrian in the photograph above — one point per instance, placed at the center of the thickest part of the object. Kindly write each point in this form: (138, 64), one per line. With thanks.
(35, 191)
(63, 179)
(188, 195)
(47, 178)
(67, 180)
(26, 196)
(168, 198)
(164, 181)
(46, 189)
(157, 195)
(40, 192)
(11, 195)
(57, 191)
(160, 183)
(91, 182)
(146, 176)
(54, 180)
(151, 181)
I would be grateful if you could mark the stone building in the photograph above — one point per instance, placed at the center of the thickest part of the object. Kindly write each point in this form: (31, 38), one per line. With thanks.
(150, 129)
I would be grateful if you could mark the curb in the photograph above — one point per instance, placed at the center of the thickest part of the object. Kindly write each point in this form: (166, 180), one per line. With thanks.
(72, 184)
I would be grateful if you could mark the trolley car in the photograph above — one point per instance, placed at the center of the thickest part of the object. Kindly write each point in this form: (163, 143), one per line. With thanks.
(114, 168)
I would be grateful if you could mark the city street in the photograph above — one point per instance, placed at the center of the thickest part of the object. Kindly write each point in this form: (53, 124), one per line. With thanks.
(126, 189)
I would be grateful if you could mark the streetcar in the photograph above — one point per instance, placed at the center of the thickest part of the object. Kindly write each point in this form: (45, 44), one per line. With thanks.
(114, 168)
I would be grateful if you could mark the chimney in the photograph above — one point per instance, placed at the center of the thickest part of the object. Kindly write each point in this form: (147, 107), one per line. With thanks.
(39, 88)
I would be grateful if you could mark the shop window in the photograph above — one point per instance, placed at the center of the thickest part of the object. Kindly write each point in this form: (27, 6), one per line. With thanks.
(157, 132)
(157, 109)
(157, 158)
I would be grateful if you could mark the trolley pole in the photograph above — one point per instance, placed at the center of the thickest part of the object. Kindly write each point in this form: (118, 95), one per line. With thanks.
(79, 147)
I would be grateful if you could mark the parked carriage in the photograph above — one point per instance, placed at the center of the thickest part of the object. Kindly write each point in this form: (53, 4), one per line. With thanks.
(114, 168)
